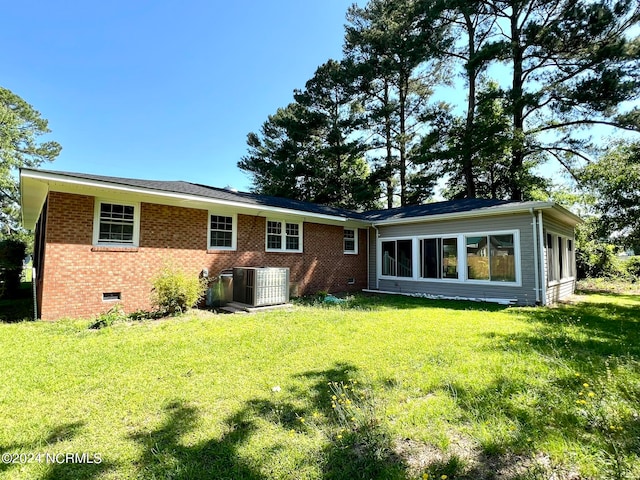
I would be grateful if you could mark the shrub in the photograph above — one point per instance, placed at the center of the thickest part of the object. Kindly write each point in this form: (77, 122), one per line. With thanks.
(113, 315)
(12, 252)
(175, 291)
(633, 267)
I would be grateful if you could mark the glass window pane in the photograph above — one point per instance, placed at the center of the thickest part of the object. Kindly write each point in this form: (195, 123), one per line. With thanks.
(293, 243)
(405, 258)
(349, 240)
(560, 258)
(293, 229)
(116, 223)
(503, 259)
(450, 257)
(477, 258)
(274, 228)
(431, 258)
(274, 242)
(389, 258)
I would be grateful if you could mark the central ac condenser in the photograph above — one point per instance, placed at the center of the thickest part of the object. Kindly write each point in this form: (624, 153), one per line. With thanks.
(260, 286)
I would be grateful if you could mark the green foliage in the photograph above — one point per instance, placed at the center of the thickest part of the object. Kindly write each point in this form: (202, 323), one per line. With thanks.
(595, 257)
(113, 315)
(568, 66)
(632, 266)
(614, 180)
(307, 150)
(20, 127)
(175, 291)
(12, 253)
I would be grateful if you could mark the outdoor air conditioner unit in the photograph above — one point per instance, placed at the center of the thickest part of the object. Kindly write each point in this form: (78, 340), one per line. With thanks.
(260, 286)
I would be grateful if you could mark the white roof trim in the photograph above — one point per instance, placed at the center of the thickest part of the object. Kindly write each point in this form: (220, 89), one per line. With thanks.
(51, 177)
(487, 211)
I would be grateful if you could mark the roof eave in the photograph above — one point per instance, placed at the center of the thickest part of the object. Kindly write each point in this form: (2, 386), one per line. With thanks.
(484, 212)
(46, 177)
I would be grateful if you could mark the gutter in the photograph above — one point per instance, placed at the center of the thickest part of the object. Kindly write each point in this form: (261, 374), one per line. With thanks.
(377, 253)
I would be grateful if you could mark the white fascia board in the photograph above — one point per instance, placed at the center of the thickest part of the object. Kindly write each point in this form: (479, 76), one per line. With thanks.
(502, 210)
(49, 177)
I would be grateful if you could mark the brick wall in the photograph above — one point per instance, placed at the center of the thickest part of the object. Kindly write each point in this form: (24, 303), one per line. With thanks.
(75, 274)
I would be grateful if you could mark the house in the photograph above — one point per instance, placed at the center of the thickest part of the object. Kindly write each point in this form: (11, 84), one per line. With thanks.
(100, 240)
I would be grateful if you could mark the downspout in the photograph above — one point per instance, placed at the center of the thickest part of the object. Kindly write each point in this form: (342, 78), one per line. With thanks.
(542, 264)
(368, 262)
(536, 270)
(377, 254)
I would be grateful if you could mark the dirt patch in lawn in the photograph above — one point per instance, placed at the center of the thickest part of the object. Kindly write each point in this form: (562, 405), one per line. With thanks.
(464, 459)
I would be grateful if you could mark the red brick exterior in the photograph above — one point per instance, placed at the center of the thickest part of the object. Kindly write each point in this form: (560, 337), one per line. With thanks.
(74, 273)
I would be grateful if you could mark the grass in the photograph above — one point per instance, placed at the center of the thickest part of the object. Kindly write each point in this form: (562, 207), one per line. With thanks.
(467, 390)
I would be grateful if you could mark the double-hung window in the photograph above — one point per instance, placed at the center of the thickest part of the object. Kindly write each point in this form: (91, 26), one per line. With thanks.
(283, 236)
(222, 232)
(350, 241)
(116, 224)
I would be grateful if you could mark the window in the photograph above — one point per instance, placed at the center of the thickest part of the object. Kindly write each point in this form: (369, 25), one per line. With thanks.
(560, 257)
(222, 232)
(116, 224)
(350, 240)
(284, 236)
(274, 235)
(439, 258)
(397, 258)
(491, 258)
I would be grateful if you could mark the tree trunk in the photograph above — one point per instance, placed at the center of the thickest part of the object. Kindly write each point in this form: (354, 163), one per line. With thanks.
(517, 155)
(402, 144)
(389, 145)
(467, 151)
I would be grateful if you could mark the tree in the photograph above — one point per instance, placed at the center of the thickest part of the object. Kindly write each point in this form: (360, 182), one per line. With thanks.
(573, 65)
(311, 149)
(614, 181)
(330, 96)
(20, 128)
(390, 42)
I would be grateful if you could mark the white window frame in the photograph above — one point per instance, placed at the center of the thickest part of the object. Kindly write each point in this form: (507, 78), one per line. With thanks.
(355, 241)
(414, 262)
(283, 236)
(462, 258)
(234, 230)
(96, 223)
(568, 257)
(516, 253)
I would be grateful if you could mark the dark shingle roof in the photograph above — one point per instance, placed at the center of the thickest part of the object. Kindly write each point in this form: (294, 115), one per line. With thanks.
(253, 199)
(195, 189)
(438, 208)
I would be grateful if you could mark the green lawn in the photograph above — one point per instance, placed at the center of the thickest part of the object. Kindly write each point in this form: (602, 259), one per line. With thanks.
(461, 389)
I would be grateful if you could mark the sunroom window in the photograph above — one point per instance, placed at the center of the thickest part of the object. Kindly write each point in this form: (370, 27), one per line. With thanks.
(397, 258)
(491, 257)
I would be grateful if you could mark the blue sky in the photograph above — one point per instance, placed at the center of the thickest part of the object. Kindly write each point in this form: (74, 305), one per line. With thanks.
(163, 89)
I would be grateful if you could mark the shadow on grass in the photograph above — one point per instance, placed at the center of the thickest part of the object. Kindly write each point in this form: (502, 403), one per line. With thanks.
(165, 456)
(593, 352)
(363, 454)
(60, 465)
